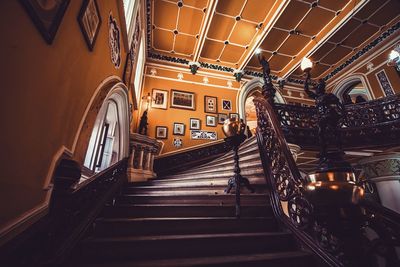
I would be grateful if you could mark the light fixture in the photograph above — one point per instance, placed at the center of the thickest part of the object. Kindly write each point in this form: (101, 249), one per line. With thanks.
(258, 51)
(306, 64)
(394, 58)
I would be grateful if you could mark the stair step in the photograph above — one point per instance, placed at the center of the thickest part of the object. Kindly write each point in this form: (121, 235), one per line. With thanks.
(184, 210)
(223, 167)
(276, 259)
(184, 189)
(194, 197)
(170, 226)
(180, 246)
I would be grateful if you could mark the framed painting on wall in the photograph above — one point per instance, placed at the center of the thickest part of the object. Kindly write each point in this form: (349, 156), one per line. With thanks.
(89, 20)
(222, 117)
(194, 124)
(182, 99)
(179, 128)
(211, 120)
(226, 105)
(46, 15)
(161, 132)
(210, 104)
(159, 98)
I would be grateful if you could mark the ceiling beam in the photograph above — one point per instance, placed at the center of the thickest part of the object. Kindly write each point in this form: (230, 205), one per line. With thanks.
(212, 5)
(331, 28)
(269, 23)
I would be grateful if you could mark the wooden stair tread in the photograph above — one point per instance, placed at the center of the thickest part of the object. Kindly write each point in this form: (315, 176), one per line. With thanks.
(207, 261)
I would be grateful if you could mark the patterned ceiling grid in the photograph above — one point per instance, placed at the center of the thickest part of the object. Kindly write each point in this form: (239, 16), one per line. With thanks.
(234, 27)
(176, 26)
(352, 36)
(296, 27)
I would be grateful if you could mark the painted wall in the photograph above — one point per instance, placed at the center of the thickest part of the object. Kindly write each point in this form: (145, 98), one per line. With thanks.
(46, 89)
(167, 80)
(370, 64)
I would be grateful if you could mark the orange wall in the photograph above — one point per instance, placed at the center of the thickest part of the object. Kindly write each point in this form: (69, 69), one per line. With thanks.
(379, 61)
(160, 117)
(46, 89)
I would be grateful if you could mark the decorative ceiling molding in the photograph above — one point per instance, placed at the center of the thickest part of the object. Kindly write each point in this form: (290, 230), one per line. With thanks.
(260, 38)
(212, 5)
(365, 49)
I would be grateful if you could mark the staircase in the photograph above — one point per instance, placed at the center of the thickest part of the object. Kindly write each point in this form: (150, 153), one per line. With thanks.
(186, 219)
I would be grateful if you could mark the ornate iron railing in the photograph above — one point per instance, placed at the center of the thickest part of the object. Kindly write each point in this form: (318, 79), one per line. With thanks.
(369, 124)
(351, 235)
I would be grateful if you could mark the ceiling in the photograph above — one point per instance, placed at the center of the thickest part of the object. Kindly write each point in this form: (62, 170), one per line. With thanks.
(227, 32)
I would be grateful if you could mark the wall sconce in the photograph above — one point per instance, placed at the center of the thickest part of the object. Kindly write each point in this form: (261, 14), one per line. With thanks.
(194, 66)
(394, 58)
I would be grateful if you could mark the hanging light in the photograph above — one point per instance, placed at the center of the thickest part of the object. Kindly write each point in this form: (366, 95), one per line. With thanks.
(258, 51)
(306, 64)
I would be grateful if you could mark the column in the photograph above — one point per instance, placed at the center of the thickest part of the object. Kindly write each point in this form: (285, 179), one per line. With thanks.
(148, 160)
(132, 157)
(384, 172)
(141, 156)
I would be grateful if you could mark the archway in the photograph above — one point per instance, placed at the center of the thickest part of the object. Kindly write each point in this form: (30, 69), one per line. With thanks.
(247, 110)
(109, 138)
(353, 89)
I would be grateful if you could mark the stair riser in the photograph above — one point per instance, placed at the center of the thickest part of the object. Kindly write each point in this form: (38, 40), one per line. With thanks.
(186, 211)
(171, 227)
(188, 190)
(252, 159)
(228, 171)
(256, 178)
(206, 199)
(208, 247)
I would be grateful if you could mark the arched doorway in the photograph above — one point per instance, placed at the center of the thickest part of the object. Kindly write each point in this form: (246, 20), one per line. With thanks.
(352, 90)
(247, 109)
(109, 139)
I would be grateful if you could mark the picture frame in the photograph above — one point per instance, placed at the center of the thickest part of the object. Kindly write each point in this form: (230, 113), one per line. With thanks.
(161, 132)
(234, 116)
(222, 117)
(211, 120)
(195, 124)
(210, 104)
(179, 128)
(226, 105)
(182, 99)
(89, 20)
(46, 16)
(159, 98)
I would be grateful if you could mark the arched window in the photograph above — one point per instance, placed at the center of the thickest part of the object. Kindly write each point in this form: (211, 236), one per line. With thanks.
(352, 90)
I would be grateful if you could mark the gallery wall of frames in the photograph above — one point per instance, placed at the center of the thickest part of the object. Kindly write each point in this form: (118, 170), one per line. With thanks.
(184, 114)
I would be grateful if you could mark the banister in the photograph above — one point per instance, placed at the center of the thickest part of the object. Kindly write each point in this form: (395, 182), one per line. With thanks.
(339, 233)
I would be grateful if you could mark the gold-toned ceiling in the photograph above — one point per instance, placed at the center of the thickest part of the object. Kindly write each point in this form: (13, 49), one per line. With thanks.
(227, 32)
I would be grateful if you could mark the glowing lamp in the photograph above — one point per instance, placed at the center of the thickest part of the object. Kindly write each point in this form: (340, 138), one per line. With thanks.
(306, 64)
(258, 51)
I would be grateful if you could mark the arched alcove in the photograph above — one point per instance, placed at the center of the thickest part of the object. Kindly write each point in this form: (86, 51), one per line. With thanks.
(353, 89)
(245, 101)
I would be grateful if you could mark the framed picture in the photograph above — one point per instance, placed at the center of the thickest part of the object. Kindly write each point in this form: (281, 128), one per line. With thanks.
(203, 135)
(90, 21)
(226, 105)
(182, 99)
(46, 15)
(210, 104)
(222, 117)
(194, 124)
(234, 116)
(161, 132)
(179, 128)
(211, 120)
(159, 98)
